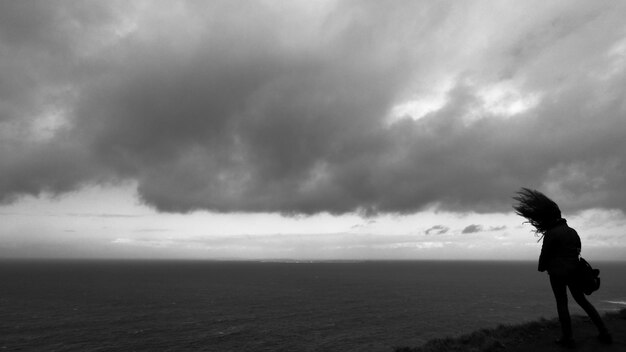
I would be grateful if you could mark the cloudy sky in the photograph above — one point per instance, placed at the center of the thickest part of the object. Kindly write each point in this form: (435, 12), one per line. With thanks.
(308, 129)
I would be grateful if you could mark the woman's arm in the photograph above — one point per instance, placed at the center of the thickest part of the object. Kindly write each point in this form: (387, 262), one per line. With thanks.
(546, 253)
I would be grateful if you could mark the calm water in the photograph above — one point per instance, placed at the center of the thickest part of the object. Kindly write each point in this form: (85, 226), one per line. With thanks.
(246, 306)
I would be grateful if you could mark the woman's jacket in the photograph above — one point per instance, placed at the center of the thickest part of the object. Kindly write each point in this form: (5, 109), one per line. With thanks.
(560, 250)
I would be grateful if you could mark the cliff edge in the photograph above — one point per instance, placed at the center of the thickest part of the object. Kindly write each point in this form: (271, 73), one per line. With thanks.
(537, 336)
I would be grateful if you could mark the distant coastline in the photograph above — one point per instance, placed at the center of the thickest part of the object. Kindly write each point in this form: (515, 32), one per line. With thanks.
(281, 260)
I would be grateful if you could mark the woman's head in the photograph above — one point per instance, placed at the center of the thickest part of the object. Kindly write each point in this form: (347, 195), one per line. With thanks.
(540, 211)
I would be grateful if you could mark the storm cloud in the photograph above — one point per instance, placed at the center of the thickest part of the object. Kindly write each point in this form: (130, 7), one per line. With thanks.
(437, 230)
(298, 108)
(474, 228)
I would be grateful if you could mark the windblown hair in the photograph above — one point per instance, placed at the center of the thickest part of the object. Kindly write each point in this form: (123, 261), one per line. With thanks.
(540, 211)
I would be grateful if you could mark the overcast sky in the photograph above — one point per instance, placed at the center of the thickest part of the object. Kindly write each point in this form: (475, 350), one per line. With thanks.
(308, 129)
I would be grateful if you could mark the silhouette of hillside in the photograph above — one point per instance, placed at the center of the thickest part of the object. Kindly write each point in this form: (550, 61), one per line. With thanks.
(536, 336)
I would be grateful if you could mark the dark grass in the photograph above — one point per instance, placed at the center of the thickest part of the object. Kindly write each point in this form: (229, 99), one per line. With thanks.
(509, 337)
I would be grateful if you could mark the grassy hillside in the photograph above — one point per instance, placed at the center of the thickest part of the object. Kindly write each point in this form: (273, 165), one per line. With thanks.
(535, 336)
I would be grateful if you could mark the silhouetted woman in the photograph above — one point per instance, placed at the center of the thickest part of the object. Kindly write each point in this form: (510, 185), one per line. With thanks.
(559, 256)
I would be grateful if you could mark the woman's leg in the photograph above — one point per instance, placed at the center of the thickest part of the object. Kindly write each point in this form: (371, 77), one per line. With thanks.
(591, 311)
(559, 288)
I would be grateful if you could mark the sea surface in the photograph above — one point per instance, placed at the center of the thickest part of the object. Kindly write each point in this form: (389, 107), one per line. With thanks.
(270, 306)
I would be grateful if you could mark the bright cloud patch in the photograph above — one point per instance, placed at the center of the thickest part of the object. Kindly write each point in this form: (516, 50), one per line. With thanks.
(505, 100)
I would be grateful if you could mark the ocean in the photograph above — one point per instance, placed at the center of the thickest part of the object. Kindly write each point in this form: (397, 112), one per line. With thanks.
(270, 306)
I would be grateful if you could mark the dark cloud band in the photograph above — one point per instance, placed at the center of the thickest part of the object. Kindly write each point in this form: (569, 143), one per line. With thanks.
(229, 113)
